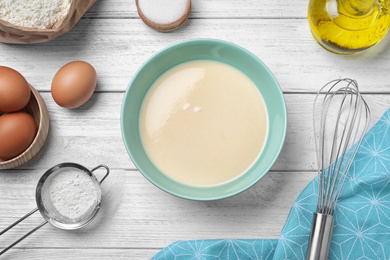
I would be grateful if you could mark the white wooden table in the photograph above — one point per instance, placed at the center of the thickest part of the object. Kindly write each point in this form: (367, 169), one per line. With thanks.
(140, 219)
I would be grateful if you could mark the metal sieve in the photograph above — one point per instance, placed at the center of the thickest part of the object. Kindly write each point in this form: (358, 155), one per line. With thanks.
(48, 210)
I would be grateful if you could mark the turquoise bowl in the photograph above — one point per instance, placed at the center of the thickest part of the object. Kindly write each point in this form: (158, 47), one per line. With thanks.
(204, 49)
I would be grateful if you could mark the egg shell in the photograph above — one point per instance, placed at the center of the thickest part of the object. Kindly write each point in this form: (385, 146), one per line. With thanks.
(17, 132)
(14, 90)
(74, 84)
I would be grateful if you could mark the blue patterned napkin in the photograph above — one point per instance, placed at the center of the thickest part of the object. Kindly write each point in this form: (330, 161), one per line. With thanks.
(362, 217)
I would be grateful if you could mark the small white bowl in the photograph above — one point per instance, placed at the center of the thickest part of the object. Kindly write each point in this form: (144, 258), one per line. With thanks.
(165, 27)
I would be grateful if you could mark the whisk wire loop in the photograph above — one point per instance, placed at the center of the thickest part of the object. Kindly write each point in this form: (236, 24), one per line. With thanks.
(336, 150)
(357, 139)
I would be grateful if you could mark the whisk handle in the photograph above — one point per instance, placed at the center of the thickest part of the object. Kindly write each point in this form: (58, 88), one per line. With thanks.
(321, 234)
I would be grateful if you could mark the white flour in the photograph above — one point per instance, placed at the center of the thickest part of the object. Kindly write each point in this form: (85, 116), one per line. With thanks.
(73, 193)
(39, 14)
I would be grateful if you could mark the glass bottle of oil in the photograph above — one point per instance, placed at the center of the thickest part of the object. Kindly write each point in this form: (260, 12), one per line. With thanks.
(348, 26)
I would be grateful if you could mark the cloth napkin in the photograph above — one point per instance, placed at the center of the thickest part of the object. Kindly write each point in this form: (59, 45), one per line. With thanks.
(361, 221)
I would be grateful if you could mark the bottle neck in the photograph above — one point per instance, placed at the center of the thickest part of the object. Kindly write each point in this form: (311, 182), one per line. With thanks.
(355, 15)
(359, 7)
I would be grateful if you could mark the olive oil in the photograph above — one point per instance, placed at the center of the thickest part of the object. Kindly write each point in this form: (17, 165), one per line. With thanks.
(348, 26)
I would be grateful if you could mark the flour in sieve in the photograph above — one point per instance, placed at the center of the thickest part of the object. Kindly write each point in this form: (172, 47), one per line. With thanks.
(73, 193)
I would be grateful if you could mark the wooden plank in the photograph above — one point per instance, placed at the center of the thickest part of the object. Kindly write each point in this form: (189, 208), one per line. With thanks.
(80, 254)
(136, 214)
(91, 135)
(118, 47)
(210, 9)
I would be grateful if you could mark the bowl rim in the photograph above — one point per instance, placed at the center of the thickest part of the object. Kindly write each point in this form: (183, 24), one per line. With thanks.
(219, 196)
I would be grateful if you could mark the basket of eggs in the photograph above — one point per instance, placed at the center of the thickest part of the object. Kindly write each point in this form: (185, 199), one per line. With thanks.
(24, 119)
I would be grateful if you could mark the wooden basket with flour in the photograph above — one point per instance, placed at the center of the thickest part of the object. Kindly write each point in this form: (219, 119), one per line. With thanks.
(12, 31)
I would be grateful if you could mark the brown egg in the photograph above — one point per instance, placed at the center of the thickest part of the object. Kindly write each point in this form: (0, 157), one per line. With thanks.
(74, 84)
(17, 132)
(14, 90)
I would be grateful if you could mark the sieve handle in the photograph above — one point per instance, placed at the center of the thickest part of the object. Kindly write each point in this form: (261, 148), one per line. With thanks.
(26, 235)
(105, 167)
